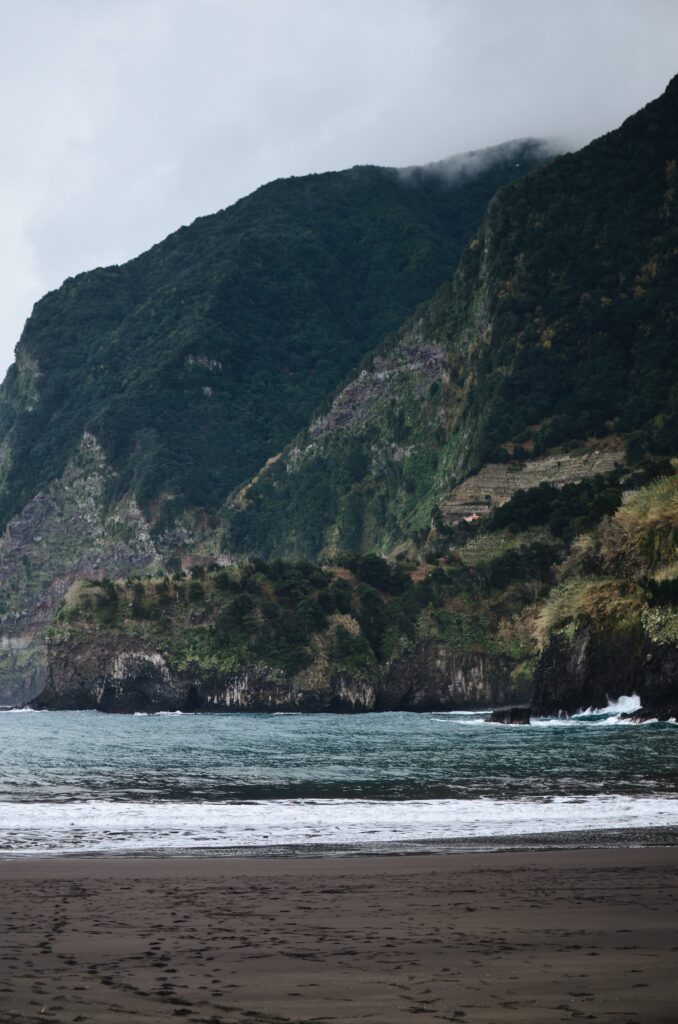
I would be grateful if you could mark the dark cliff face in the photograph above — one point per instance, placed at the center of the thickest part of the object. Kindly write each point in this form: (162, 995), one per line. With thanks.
(435, 678)
(142, 394)
(558, 326)
(123, 676)
(594, 666)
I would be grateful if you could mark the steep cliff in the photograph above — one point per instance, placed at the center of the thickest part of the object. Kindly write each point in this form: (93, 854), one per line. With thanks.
(594, 665)
(558, 330)
(62, 533)
(70, 531)
(191, 365)
(282, 636)
(485, 447)
(611, 625)
(435, 676)
(196, 361)
(119, 675)
(507, 616)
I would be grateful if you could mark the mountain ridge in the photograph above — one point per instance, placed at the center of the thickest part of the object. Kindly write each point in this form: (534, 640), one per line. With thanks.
(557, 329)
(316, 268)
(194, 362)
(547, 359)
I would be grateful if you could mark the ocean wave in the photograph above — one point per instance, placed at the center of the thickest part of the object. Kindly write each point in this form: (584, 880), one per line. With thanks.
(462, 713)
(626, 704)
(106, 826)
(20, 711)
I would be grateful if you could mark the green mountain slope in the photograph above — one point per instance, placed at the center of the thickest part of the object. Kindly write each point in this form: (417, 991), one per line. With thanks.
(511, 449)
(195, 362)
(559, 327)
(611, 624)
(553, 613)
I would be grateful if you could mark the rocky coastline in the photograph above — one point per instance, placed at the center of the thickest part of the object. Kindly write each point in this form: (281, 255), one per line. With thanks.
(113, 675)
(118, 675)
(591, 668)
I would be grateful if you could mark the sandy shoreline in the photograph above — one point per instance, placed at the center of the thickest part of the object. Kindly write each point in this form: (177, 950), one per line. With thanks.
(521, 937)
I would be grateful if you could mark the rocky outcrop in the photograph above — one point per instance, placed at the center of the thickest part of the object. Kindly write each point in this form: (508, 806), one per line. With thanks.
(592, 667)
(68, 532)
(511, 716)
(434, 677)
(121, 676)
(416, 360)
(63, 534)
(111, 674)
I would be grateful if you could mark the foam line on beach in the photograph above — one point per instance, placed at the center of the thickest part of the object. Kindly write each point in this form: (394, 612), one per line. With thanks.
(108, 826)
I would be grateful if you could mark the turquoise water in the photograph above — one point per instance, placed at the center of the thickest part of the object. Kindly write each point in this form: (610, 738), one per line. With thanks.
(85, 782)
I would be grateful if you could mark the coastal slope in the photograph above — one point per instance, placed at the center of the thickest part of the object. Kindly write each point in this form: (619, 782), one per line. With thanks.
(510, 452)
(565, 610)
(557, 332)
(142, 394)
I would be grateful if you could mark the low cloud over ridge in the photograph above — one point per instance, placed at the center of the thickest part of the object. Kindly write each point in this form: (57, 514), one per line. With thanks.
(126, 118)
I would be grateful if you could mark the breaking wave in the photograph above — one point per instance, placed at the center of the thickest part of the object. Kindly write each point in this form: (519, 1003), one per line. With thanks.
(90, 827)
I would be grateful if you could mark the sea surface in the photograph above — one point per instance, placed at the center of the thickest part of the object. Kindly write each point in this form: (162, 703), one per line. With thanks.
(89, 783)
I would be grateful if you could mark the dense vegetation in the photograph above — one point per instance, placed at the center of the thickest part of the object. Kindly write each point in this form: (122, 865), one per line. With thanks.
(500, 593)
(365, 486)
(256, 357)
(559, 326)
(566, 511)
(622, 577)
(580, 263)
(503, 593)
(197, 361)
(357, 616)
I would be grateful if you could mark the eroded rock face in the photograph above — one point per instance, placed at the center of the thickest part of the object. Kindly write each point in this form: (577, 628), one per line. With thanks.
(415, 359)
(113, 674)
(593, 667)
(61, 535)
(70, 532)
(433, 677)
(123, 676)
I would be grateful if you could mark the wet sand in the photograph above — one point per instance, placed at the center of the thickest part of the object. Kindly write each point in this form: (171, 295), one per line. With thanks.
(527, 938)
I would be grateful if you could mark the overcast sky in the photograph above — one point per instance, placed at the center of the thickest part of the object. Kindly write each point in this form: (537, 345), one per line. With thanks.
(123, 119)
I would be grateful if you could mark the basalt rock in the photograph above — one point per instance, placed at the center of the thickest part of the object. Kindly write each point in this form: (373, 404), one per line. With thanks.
(595, 666)
(116, 674)
(125, 677)
(511, 716)
(434, 677)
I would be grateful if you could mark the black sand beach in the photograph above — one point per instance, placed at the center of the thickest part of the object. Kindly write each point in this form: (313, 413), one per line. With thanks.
(492, 938)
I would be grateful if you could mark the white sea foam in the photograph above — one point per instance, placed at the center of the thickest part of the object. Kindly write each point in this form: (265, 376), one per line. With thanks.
(463, 721)
(460, 713)
(611, 714)
(106, 826)
(558, 723)
(622, 705)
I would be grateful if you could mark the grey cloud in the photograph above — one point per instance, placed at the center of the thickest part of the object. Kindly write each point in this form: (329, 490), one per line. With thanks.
(463, 165)
(123, 119)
